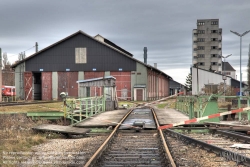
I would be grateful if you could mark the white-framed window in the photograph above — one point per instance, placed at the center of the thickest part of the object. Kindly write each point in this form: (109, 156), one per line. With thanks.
(201, 47)
(201, 39)
(201, 55)
(214, 22)
(201, 23)
(201, 31)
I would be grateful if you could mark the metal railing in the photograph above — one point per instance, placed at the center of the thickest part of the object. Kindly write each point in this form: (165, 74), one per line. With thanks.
(79, 109)
(199, 106)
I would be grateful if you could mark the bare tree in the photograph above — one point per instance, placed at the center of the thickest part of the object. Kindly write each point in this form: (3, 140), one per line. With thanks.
(5, 60)
(21, 56)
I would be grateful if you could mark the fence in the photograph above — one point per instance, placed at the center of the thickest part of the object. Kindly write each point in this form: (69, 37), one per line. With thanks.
(79, 109)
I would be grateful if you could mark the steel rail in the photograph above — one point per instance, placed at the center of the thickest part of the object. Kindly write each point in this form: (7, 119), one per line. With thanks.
(102, 147)
(169, 156)
(229, 155)
(234, 135)
(24, 103)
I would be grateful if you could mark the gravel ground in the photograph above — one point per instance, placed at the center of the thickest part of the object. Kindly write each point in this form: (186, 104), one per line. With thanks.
(64, 152)
(189, 155)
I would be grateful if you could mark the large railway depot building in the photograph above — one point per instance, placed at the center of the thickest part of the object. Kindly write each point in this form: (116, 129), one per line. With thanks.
(58, 67)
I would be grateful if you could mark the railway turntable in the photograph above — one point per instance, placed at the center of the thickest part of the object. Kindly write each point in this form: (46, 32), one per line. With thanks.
(62, 129)
(104, 119)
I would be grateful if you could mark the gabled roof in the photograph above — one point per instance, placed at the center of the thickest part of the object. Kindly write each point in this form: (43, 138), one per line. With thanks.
(81, 32)
(227, 67)
(112, 44)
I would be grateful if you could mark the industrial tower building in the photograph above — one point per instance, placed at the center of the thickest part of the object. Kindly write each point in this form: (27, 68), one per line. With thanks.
(207, 45)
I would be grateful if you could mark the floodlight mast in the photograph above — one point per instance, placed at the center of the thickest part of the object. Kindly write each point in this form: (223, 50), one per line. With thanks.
(240, 35)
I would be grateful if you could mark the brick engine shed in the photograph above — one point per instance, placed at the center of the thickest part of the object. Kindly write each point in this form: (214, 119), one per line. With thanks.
(56, 68)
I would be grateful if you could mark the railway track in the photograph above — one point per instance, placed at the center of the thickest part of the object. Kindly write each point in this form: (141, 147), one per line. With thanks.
(134, 142)
(2, 104)
(216, 149)
(134, 146)
(135, 149)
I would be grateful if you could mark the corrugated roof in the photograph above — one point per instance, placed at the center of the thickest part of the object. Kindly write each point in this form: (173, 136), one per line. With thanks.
(81, 32)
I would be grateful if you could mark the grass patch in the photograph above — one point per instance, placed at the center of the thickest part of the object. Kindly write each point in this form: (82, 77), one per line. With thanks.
(16, 135)
(43, 107)
(162, 105)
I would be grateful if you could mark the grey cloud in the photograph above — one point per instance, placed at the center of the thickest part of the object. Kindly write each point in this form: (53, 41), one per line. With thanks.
(165, 27)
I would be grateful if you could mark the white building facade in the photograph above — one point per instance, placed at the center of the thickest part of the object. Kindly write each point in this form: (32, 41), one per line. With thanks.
(206, 78)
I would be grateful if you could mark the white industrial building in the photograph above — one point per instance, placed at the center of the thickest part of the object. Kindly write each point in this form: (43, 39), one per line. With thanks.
(202, 78)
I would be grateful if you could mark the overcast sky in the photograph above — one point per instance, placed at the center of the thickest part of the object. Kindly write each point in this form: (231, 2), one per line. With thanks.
(163, 26)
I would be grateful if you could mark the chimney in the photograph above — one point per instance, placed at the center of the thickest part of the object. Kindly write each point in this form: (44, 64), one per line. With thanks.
(145, 55)
(36, 47)
(155, 65)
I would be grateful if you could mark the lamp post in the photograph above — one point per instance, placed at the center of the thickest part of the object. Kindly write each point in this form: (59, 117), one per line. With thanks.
(240, 35)
(224, 76)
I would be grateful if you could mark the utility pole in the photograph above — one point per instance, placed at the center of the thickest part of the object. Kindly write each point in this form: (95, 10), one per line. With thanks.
(1, 74)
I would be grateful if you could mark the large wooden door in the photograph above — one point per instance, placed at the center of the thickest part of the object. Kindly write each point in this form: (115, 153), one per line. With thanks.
(139, 95)
(28, 85)
(67, 83)
(46, 85)
(123, 84)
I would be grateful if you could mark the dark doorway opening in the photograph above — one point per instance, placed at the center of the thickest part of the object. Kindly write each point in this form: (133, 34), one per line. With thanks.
(37, 86)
